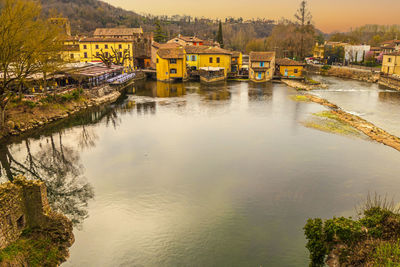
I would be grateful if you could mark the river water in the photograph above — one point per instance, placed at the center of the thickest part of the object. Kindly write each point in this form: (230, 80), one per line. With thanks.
(189, 175)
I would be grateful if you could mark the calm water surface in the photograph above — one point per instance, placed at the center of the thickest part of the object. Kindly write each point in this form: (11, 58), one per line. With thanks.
(187, 175)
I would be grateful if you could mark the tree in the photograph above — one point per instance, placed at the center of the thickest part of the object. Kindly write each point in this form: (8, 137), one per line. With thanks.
(303, 20)
(220, 38)
(24, 40)
(159, 34)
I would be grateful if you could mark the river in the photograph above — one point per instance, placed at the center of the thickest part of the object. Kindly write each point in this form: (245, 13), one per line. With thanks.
(190, 175)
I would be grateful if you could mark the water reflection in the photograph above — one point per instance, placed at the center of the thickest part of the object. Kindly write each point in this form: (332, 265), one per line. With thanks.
(260, 91)
(160, 89)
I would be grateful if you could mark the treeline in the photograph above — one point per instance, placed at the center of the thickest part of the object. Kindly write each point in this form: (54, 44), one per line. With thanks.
(368, 34)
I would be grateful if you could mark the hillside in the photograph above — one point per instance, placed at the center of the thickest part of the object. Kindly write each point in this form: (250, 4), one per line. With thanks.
(87, 15)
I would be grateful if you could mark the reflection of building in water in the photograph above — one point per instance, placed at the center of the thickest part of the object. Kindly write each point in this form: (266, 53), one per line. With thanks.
(145, 108)
(218, 95)
(390, 96)
(169, 89)
(260, 91)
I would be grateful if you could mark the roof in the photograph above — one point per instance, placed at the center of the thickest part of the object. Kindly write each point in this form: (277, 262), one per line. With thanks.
(391, 42)
(117, 31)
(190, 39)
(169, 53)
(206, 50)
(393, 54)
(108, 39)
(167, 45)
(288, 62)
(236, 54)
(262, 56)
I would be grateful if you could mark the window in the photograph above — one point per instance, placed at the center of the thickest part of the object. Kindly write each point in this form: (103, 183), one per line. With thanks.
(97, 46)
(211, 60)
(262, 64)
(106, 54)
(172, 61)
(193, 58)
(72, 56)
(218, 60)
(120, 46)
(188, 58)
(85, 55)
(157, 60)
(106, 46)
(173, 71)
(389, 59)
(295, 71)
(84, 46)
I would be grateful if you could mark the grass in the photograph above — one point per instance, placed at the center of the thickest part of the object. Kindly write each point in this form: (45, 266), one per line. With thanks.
(37, 251)
(327, 121)
(299, 98)
(387, 254)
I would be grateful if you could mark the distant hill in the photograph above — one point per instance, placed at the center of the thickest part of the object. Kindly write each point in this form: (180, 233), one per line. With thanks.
(87, 15)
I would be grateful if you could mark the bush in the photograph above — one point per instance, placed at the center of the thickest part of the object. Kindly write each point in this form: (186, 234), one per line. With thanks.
(326, 67)
(387, 254)
(29, 104)
(316, 242)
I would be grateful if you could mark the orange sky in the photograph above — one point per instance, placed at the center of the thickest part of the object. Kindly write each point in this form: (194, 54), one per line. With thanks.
(328, 15)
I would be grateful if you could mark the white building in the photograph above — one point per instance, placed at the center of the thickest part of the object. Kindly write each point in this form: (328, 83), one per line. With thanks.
(356, 53)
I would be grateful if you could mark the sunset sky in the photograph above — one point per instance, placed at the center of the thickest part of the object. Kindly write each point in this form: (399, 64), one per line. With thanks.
(328, 15)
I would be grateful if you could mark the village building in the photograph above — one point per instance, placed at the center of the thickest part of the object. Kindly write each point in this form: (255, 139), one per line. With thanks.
(206, 56)
(390, 46)
(171, 64)
(391, 64)
(321, 51)
(155, 47)
(262, 66)
(356, 53)
(126, 33)
(92, 47)
(237, 62)
(288, 68)
(186, 40)
(70, 49)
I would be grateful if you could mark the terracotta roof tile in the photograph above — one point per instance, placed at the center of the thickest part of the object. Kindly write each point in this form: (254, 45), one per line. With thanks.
(206, 50)
(262, 56)
(108, 39)
(288, 62)
(167, 45)
(117, 31)
(168, 53)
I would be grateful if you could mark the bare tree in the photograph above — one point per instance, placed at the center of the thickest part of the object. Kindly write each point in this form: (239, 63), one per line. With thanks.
(303, 20)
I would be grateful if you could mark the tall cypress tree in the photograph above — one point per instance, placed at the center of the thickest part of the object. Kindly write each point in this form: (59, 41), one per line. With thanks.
(159, 34)
(220, 38)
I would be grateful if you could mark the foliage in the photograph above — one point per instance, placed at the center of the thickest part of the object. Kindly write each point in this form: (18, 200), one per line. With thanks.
(159, 34)
(387, 254)
(27, 47)
(357, 239)
(334, 54)
(316, 243)
(220, 38)
(325, 67)
(38, 251)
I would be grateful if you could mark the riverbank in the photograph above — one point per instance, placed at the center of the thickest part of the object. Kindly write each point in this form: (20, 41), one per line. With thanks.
(344, 72)
(306, 85)
(24, 116)
(370, 240)
(375, 133)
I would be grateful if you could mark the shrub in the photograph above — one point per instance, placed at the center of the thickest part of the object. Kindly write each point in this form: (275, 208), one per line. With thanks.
(326, 67)
(29, 104)
(316, 242)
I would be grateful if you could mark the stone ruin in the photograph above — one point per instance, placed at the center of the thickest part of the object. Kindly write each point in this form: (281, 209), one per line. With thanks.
(23, 205)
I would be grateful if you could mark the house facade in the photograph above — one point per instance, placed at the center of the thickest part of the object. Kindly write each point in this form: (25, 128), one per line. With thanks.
(391, 64)
(205, 56)
(93, 46)
(356, 53)
(261, 66)
(237, 62)
(288, 68)
(171, 65)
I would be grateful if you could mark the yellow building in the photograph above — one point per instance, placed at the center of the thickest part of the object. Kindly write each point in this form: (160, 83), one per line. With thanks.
(391, 63)
(319, 51)
(93, 46)
(289, 68)
(262, 66)
(171, 64)
(237, 61)
(206, 56)
(71, 51)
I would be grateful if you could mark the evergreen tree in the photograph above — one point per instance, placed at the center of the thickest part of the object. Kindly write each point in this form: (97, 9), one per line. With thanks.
(220, 38)
(159, 34)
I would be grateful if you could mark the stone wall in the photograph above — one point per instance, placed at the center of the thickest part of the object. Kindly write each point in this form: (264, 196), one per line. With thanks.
(345, 72)
(390, 81)
(24, 204)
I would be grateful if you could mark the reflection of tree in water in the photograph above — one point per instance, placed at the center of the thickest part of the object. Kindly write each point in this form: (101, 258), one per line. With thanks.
(58, 164)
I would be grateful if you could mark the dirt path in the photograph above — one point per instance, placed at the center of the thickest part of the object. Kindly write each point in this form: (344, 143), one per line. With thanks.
(369, 129)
